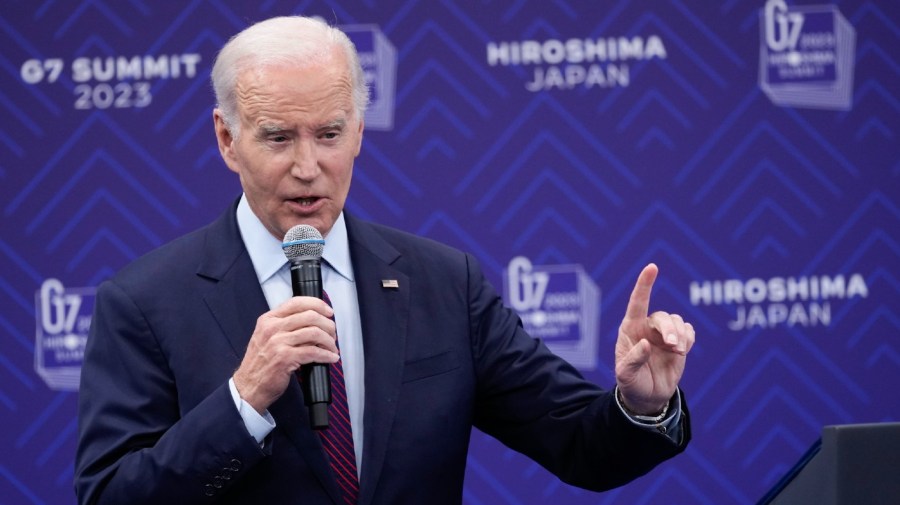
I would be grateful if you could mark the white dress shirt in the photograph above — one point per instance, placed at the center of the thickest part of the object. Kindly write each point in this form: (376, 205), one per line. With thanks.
(273, 271)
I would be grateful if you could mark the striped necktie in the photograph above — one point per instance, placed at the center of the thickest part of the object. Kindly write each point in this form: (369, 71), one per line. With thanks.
(338, 438)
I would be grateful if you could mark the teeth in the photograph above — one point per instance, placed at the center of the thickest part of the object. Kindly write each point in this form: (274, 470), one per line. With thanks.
(306, 201)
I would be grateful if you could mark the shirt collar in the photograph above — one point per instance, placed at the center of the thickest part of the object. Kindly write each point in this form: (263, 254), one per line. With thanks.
(337, 249)
(265, 250)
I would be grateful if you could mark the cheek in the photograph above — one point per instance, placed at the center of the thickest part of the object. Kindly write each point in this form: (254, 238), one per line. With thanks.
(265, 168)
(345, 174)
(241, 156)
(338, 164)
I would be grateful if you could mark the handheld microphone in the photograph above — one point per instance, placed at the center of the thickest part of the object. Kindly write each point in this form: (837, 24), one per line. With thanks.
(303, 246)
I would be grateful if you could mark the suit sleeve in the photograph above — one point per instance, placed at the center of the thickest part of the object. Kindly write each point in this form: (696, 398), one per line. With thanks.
(135, 446)
(538, 404)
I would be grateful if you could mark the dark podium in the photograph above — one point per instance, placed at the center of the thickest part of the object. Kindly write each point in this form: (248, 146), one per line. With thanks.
(850, 464)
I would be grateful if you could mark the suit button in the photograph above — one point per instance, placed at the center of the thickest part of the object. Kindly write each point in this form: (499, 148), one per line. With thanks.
(235, 465)
(210, 490)
(217, 482)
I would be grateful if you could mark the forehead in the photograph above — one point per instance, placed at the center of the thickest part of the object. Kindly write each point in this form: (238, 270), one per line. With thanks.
(319, 88)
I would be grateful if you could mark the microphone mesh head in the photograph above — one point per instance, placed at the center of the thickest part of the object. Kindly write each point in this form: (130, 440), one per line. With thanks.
(303, 241)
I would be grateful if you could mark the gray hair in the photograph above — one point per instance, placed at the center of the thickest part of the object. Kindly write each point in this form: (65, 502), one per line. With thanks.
(280, 40)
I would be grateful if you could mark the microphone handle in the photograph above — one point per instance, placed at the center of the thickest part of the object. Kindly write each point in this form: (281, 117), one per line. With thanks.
(306, 280)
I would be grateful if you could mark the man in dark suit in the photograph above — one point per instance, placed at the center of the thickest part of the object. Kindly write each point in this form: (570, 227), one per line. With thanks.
(189, 388)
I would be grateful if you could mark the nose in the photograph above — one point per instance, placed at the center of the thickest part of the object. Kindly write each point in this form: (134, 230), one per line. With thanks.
(306, 163)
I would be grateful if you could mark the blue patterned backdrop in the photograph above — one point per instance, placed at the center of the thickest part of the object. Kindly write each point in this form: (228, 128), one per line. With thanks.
(492, 134)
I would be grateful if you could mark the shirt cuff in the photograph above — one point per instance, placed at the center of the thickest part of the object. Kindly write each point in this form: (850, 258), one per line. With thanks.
(667, 426)
(258, 425)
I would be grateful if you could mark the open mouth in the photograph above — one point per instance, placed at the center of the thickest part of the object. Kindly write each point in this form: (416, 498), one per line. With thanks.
(306, 202)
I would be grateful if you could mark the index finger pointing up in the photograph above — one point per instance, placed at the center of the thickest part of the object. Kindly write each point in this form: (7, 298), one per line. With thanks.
(639, 303)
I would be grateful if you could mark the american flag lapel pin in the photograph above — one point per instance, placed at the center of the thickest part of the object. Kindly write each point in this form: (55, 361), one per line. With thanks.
(390, 284)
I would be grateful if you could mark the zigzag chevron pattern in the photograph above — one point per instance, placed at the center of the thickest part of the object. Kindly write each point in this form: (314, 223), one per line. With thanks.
(689, 165)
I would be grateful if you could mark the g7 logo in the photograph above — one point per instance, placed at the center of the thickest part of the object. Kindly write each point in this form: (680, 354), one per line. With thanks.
(526, 288)
(782, 27)
(59, 311)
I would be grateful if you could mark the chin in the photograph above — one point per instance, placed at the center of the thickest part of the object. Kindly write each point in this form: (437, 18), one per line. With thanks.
(314, 221)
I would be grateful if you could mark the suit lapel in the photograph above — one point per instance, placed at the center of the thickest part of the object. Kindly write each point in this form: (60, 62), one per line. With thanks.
(236, 303)
(384, 312)
(237, 300)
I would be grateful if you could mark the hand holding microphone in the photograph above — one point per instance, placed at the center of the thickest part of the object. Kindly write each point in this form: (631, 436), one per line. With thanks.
(298, 332)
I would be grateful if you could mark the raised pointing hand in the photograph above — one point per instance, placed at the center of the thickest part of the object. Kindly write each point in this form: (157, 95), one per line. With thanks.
(650, 350)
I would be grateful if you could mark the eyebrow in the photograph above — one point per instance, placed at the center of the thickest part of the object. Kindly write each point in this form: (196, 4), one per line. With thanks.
(339, 123)
(270, 128)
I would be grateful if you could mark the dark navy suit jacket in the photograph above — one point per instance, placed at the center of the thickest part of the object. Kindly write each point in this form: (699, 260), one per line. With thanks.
(158, 425)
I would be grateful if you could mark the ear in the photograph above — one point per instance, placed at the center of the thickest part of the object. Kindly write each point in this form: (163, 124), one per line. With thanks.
(359, 137)
(225, 141)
